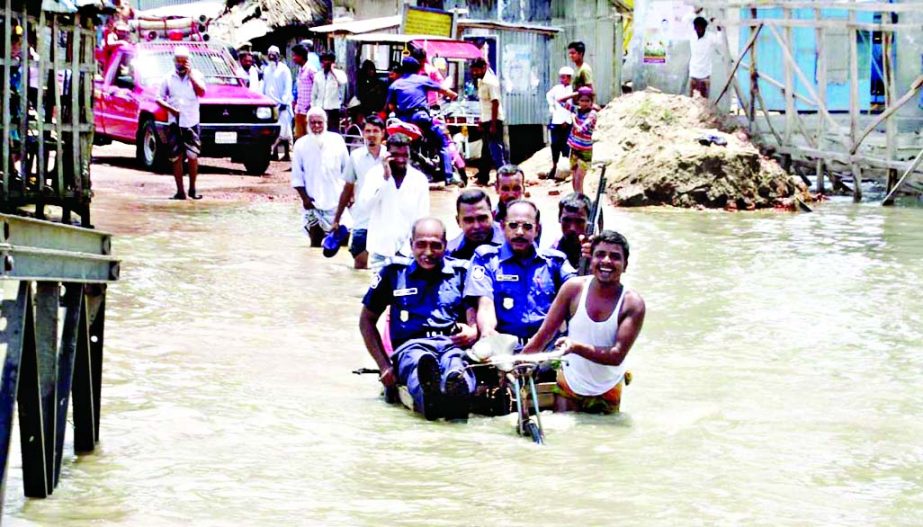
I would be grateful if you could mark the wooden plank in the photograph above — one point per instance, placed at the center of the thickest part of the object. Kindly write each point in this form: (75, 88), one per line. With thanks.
(807, 154)
(775, 83)
(742, 101)
(853, 35)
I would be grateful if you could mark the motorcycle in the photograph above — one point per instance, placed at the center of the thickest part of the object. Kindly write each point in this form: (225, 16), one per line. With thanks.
(426, 152)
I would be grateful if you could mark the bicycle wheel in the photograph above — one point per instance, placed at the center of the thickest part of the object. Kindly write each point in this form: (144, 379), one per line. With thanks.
(533, 431)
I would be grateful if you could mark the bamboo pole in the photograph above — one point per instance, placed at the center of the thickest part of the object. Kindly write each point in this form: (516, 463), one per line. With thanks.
(762, 103)
(40, 103)
(24, 69)
(59, 134)
(893, 106)
(889, 199)
(754, 82)
(789, 83)
(781, 87)
(742, 102)
(820, 35)
(74, 42)
(750, 42)
(890, 92)
(853, 35)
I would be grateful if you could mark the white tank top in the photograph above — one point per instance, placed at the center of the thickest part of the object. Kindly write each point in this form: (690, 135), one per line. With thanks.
(584, 376)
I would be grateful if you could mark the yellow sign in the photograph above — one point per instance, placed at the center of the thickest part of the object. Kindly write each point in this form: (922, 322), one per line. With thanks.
(420, 21)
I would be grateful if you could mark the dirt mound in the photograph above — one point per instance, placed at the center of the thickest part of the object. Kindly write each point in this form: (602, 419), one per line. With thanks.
(673, 150)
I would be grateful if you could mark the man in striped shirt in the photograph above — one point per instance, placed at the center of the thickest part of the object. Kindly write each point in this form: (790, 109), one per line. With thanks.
(305, 83)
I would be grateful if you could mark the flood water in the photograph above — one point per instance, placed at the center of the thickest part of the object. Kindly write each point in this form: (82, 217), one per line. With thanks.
(776, 382)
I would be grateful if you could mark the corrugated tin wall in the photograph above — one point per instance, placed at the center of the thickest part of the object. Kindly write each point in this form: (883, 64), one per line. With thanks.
(525, 76)
(594, 23)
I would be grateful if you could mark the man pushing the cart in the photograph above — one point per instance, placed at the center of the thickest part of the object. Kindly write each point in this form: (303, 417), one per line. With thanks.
(604, 319)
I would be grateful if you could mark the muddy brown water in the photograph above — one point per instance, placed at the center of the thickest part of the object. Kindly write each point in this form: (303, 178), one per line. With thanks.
(776, 383)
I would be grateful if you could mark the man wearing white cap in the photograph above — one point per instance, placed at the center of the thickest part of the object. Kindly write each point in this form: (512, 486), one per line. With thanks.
(277, 85)
(319, 164)
(179, 94)
(560, 117)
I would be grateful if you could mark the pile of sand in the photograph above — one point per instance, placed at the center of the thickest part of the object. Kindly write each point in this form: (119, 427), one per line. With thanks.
(651, 142)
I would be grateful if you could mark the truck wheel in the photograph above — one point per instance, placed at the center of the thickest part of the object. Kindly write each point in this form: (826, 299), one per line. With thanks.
(257, 162)
(152, 153)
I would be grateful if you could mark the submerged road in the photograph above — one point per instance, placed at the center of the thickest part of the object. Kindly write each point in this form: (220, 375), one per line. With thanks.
(776, 380)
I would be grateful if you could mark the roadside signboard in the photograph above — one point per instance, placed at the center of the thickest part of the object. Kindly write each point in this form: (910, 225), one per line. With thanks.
(425, 21)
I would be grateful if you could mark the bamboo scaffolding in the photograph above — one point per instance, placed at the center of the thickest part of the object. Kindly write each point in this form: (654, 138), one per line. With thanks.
(889, 199)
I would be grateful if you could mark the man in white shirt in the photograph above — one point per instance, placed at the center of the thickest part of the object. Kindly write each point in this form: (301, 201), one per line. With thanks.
(395, 195)
(361, 161)
(560, 117)
(252, 72)
(277, 85)
(703, 48)
(327, 93)
(319, 164)
(492, 117)
(179, 94)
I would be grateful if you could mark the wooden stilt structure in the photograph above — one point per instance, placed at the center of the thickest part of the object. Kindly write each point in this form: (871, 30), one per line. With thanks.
(871, 143)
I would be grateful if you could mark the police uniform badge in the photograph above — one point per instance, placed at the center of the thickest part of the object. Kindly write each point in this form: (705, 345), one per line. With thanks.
(478, 272)
(508, 302)
(376, 279)
(405, 316)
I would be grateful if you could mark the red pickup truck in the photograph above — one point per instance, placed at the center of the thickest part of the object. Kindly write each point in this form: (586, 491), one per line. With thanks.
(236, 123)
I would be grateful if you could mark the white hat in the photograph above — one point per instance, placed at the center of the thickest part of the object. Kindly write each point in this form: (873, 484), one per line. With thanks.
(273, 49)
(566, 70)
(181, 51)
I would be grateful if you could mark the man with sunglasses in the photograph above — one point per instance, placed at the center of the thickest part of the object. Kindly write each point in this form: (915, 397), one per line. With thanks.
(514, 285)
(429, 324)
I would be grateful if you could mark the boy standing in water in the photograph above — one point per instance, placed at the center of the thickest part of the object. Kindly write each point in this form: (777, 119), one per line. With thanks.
(580, 140)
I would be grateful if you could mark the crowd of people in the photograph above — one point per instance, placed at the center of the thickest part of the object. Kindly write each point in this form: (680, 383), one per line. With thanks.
(441, 296)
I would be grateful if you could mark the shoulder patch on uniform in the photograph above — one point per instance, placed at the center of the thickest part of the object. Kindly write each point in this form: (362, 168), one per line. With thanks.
(456, 263)
(478, 272)
(552, 253)
(487, 250)
(376, 279)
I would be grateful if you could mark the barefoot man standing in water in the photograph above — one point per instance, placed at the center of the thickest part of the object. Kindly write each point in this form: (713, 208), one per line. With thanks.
(604, 320)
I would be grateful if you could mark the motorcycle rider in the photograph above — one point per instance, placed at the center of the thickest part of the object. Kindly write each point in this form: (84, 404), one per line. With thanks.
(407, 97)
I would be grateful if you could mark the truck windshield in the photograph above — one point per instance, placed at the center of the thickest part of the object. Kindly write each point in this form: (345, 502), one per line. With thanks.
(154, 65)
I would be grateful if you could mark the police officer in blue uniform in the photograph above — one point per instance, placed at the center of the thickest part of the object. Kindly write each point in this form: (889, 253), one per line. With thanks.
(478, 227)
(429, 324)
(515, 284)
